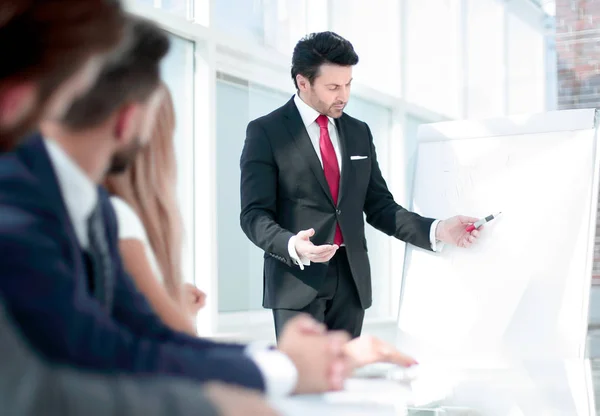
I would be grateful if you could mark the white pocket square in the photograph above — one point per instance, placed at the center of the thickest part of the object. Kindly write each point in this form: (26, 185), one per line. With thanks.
(357, 157)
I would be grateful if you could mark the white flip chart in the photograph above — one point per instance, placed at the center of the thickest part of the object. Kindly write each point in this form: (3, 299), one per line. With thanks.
(522, 291)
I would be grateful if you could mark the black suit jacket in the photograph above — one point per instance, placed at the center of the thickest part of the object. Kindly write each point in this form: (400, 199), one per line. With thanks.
(44, 283)
(284, 191)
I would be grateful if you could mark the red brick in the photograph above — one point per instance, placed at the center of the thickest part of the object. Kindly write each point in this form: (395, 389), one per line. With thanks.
(578, 54)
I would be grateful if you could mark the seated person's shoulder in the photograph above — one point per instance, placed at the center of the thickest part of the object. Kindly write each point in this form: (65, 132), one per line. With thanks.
(129, 223)
(22, 196)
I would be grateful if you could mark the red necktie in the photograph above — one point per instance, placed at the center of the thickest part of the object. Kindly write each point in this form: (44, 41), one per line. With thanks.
(331, 168)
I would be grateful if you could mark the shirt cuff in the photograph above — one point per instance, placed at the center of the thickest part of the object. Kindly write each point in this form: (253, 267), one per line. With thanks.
(294, 255)
(436, 245)
(279, 372)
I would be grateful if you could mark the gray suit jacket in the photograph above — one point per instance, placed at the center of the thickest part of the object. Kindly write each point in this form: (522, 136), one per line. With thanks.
(30, 386)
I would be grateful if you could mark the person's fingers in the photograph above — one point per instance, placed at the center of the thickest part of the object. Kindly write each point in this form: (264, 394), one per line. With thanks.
(306, 234)
(394, 356)
(467, 220)
(310, 326)
(337, 340)
(339, 365)
(337, 375)
(306, 324)
(475, 233)
(320, 251)
(471, 239)
(325, 257)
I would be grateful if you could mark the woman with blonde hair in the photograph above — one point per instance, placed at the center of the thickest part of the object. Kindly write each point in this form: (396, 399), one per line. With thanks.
(150, 225)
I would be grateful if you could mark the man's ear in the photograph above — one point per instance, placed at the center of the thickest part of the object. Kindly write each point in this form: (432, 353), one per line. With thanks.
(17, 101)
(303, 83)
(127, 123)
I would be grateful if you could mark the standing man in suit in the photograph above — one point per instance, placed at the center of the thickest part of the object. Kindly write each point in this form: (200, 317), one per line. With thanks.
(308, 173)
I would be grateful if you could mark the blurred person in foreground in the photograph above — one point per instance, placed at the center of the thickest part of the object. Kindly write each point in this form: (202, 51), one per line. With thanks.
(61, 46)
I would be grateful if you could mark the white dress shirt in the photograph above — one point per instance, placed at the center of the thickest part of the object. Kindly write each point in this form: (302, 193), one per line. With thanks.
(309, 118)
(80, 195)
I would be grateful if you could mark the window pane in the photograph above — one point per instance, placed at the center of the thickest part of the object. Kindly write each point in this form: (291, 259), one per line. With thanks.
(485, 53)
(411, 144)
(240, 18)
(375, 34)
(146, 2)
(178, 7)
(379, 120)
(287, 21)
(240, 262)
(526, 73)
(178, 73)
(433, 55)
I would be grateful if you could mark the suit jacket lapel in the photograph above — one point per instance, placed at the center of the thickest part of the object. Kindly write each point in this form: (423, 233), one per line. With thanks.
(345, 168)
(296, 128)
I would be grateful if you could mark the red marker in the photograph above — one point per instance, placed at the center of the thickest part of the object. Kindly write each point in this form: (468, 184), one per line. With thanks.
(482, 221)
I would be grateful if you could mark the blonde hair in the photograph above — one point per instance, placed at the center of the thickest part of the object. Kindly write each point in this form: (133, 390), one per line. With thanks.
(149, 187)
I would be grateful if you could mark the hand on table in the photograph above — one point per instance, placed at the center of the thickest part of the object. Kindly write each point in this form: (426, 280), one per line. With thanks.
(370, 350)
(317, 354)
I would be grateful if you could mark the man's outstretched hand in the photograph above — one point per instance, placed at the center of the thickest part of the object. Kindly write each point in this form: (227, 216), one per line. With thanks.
(454, 231)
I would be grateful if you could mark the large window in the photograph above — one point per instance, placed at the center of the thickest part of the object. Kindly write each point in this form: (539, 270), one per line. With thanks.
(240, 262)
(287, 21)
(411, 146)
(374, 32)
(275, 23)
(241, 18)
(178, 73)
(526, 73)
(486, 68)
(433, 55)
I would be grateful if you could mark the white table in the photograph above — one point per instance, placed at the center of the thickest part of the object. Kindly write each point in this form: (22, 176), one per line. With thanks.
(561, 388)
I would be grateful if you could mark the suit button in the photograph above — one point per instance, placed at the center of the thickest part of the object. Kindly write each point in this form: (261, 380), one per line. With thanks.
(338, 212)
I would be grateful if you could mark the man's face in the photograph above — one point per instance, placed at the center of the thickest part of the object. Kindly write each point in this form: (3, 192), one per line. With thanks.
(330, 90)
(144, 123)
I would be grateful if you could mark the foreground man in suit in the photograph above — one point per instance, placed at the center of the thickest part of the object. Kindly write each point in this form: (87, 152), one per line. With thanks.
(308, 173)
(29, 386)
(38, 79)
(60, 270)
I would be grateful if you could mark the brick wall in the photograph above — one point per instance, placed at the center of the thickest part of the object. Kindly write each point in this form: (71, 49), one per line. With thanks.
(578, 53)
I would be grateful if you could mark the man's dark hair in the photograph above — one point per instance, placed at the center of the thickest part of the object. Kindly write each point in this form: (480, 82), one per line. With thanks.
(131, 74)
(317, 49)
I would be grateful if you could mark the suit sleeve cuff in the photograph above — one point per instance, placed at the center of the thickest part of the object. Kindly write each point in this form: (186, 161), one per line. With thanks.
(436, 245)
(294, 255)
(279, 372)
